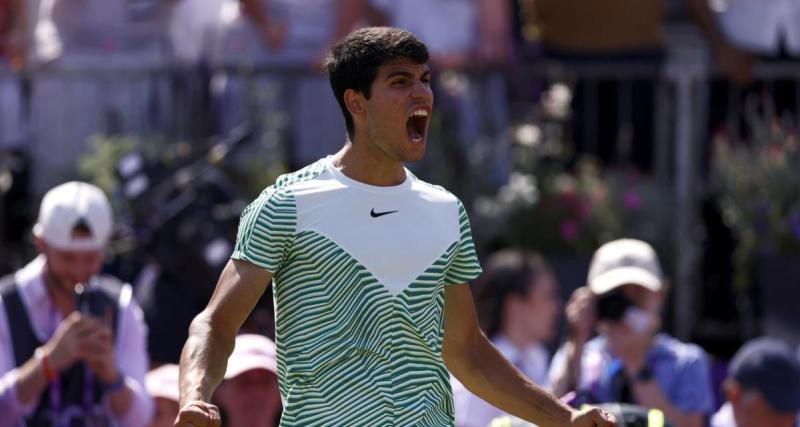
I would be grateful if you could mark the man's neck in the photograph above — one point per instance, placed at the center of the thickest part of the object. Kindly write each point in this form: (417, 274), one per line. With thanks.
(63, 299)
(365, 162)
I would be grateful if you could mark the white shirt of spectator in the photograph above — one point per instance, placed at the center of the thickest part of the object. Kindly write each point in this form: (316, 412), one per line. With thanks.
(446, 26)
(760, 25)
(472, 411)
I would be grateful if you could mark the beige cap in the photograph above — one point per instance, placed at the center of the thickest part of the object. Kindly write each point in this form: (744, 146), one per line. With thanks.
(69, 205)
(251, 352)
(622, 262)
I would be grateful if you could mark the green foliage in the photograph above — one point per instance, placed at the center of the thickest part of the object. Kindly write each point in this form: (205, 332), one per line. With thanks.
(757, 184)
(97, 166)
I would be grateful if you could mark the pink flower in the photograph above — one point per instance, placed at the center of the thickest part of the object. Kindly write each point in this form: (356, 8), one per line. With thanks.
(631, 201)
(568, 229)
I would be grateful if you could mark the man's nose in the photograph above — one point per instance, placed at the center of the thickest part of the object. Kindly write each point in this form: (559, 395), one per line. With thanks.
(422, 92)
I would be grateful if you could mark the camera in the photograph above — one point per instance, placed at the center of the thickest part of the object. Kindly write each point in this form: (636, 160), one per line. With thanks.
(612, 305)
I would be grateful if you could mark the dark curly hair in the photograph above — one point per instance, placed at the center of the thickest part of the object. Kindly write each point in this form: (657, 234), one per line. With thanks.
(354, 60)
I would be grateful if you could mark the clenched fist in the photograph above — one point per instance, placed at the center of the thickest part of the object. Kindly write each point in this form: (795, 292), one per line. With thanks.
(198, 414)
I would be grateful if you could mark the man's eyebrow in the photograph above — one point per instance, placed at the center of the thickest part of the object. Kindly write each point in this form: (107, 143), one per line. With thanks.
(407, 74)
(399, 73)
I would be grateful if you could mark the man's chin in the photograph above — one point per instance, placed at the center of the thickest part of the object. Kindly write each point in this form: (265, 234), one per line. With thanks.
(416, 153)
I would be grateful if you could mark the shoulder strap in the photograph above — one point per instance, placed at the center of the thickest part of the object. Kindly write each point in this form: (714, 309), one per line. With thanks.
(23, 338)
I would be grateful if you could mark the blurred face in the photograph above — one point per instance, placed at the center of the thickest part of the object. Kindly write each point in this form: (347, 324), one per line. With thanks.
(750, 409)
(65, 269)
(648, 308)
(637, 326)
(250, 399)
(395, 118)
(166, 412)
(536, 313)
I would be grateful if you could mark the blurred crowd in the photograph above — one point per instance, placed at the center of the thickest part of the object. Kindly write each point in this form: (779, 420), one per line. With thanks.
(74, 341)
(68, 351)
(65, 44)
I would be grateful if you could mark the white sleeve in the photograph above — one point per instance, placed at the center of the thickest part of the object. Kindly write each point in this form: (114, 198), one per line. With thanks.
(130, 352)
(471, 410)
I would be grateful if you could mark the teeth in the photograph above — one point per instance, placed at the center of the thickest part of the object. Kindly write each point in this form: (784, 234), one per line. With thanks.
(419, 113)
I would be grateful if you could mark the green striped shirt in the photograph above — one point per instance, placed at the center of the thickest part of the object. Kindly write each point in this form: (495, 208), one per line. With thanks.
(358, 280)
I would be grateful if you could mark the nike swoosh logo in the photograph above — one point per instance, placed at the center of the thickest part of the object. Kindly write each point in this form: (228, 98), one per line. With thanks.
(374, 214)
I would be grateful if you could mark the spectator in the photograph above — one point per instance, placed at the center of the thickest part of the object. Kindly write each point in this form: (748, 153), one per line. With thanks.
(468, 55)
(87, 43)
(763, 387)
(740, 34)
(517, 306)
(740, 30)
(14, 137)
(72, 340)
(162, 385)
(292, 37)
(613, 115)
(12, 58)
(249, 394)
(630, 361)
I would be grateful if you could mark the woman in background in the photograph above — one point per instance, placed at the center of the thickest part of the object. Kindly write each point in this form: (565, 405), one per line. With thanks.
(518, 305)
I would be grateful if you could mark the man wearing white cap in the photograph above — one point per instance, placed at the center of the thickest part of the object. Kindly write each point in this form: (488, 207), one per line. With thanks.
(630, 361)
(72, 341)
(249, 395)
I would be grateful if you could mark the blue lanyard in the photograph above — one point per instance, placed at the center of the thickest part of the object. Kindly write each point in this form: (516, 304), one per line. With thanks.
(87, 388)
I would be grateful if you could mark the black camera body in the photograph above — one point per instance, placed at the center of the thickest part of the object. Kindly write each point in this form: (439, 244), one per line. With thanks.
(612, 305)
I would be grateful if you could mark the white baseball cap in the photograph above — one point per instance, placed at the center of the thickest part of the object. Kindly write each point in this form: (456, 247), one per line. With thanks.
(163, 382)
(623, 262)
(252, 351)
(71, 204)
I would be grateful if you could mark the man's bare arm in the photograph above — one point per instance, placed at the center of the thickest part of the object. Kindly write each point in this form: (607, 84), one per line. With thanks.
(470, 356)
(212, 333)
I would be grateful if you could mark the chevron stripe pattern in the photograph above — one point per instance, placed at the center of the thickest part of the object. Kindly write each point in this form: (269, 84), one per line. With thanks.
(349, 352)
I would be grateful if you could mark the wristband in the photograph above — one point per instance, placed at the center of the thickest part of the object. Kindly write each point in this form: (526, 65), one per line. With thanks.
(644, 374)
(49, 373)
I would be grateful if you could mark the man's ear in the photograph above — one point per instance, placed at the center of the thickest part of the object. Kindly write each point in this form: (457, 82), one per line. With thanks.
(355, 102)
(39, 243)
(732, 390)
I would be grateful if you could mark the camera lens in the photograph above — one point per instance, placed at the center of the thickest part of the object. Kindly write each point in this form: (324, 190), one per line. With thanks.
(612, 305)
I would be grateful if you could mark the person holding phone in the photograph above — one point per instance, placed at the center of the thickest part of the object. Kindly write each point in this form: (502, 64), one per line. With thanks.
(72, 341)
(630, 361)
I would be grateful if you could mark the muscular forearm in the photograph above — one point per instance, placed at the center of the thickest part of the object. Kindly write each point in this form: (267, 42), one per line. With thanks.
(486, 373)
(203, 360)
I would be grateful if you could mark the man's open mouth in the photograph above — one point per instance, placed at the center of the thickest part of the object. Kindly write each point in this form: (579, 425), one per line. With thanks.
(417, 124)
